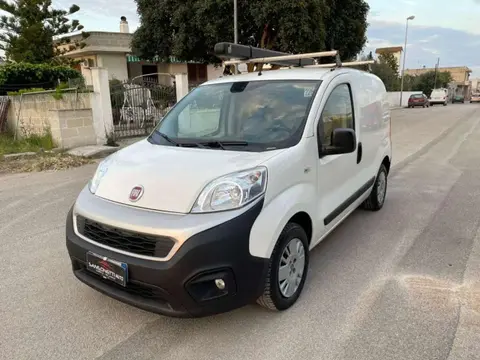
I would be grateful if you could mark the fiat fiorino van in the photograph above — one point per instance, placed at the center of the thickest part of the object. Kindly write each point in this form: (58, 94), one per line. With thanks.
(221, 204)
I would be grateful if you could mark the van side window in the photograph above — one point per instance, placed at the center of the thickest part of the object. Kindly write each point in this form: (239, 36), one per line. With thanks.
(337, 113)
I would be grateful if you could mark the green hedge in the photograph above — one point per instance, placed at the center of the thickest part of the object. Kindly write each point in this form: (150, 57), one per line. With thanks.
(18, 76)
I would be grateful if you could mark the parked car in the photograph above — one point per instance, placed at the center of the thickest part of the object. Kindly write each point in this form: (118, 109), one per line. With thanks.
(439, 96)
(458, 99)
(475, 98)
(418, 100)
(220, 206)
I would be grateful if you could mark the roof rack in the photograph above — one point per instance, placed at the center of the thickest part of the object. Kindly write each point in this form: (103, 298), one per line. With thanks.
(243, 54)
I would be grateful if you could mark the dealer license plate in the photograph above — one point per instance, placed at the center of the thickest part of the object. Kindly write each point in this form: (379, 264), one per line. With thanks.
(107, 268)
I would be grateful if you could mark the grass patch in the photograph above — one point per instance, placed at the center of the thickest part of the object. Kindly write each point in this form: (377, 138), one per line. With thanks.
(31, 143)
(43, 162)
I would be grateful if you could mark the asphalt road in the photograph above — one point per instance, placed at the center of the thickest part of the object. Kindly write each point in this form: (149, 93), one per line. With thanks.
(402, 283)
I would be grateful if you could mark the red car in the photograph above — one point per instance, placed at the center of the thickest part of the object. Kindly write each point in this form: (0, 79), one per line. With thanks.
(418, 100)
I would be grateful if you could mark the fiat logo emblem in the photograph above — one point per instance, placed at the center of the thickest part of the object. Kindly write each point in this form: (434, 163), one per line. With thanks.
(136, 193)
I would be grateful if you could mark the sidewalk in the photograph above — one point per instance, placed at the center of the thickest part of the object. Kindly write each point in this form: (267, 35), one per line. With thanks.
(100, 151)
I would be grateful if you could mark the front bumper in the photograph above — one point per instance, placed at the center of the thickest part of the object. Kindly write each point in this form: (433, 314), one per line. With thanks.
(182, 286)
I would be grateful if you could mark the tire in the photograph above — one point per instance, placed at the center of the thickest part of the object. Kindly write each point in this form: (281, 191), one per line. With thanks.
(444, 104)
(273, 298)
(374, 202)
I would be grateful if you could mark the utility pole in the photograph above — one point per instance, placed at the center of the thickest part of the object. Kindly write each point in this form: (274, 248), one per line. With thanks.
(235, 27)
(404, 57)
(436, 71)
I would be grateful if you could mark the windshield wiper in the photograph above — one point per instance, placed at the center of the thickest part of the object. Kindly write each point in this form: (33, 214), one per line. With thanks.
(188, 144)
(165, 136)
(222, 144)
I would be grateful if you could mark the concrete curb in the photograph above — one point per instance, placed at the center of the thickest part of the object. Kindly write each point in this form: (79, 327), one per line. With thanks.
(16, 156)
(94, 152)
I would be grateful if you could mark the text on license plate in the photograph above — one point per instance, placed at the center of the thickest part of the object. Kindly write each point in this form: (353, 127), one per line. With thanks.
(107, 268)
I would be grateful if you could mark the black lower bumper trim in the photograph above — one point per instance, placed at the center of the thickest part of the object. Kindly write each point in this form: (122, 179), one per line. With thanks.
(183, 286)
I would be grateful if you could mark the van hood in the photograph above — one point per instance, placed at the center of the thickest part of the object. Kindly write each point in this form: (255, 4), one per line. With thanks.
(172, 177)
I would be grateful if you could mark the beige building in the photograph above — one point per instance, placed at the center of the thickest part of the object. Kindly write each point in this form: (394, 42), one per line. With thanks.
(112, 50)
(460, 74)
(461, 77)
(395, 50)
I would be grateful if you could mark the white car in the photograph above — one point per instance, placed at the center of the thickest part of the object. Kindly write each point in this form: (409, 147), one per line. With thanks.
(220, 206)
(439, 96)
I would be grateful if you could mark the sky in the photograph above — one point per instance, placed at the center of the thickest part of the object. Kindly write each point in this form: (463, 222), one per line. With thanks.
(442, 29)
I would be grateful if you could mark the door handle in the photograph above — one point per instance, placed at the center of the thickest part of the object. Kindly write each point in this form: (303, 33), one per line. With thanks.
(359, 153)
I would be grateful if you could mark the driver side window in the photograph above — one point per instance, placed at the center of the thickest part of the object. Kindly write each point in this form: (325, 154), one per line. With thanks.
(337, 113)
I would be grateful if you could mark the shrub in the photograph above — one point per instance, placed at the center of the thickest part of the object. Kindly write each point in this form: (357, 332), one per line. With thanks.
(32, 142)
(21, 76)
(24, 91)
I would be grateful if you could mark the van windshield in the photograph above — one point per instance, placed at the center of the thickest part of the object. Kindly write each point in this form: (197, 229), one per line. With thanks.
(240, 116)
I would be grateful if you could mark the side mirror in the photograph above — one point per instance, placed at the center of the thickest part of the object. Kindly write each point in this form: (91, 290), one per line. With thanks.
(344, 141)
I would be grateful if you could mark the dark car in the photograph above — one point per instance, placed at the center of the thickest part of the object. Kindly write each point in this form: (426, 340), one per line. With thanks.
(458, 99)
(418, 100)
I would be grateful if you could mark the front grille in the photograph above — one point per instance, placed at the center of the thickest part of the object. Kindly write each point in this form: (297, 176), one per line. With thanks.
(126, 240)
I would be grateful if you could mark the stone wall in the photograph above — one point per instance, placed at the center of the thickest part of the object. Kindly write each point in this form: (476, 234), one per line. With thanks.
(71, 128)
(30, 113)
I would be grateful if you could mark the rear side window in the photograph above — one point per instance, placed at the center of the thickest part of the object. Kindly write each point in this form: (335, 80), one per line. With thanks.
(337, 113)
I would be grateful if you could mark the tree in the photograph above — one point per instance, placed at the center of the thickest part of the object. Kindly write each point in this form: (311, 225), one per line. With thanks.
(346, 24)
(29, 28)
(390, 60)
(187, 30)
(387, 75)
(426, 82)
(383, 70)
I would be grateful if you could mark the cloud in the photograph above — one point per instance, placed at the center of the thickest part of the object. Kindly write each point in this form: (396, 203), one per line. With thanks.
(426, 44)
(429, 39)
(102, 15)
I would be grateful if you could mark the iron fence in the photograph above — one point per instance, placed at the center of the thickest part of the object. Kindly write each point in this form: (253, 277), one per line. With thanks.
(138, 104)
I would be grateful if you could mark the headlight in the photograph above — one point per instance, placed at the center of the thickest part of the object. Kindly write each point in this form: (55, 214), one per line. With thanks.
(232, 191)
(99, 174)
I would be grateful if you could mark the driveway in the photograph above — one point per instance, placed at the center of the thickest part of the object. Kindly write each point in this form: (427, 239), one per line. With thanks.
(402, 283)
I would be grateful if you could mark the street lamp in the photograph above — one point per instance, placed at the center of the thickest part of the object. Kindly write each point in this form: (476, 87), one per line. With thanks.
(235, 21)
(235, 27)
(404, 57)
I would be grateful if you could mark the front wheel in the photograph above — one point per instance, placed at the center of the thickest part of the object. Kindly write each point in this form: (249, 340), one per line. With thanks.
(377, 197)
(287, 269)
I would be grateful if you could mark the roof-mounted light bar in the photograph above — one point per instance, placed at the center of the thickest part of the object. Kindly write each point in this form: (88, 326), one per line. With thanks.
(229, 51)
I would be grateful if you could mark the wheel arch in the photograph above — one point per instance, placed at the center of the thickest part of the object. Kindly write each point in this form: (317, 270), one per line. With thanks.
(292, 205)
(387, 163)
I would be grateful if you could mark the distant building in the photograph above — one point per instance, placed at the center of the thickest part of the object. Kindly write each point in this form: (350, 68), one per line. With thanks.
(396, 51)
(112, 50)
(460, 76)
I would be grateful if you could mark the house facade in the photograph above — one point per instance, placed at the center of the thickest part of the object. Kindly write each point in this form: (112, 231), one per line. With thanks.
(112, 50)
(396, 51)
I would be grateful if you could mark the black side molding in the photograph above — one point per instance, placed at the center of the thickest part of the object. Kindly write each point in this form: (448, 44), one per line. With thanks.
(354, 197)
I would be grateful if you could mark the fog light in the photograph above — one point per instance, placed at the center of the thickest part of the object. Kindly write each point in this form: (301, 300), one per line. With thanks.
(212, 285)
(220, 284)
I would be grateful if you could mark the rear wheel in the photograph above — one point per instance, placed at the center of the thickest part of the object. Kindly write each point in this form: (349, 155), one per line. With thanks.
(287, 269)
(377, 197)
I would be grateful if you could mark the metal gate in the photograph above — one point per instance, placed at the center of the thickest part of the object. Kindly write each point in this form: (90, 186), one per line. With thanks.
(139, 103)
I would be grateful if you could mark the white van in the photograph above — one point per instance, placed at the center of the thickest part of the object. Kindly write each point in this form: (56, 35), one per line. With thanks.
(439, 96)
(221, 204)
